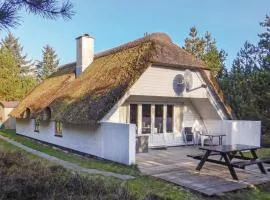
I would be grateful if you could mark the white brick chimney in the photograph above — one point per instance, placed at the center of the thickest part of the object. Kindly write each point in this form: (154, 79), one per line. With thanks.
(85, 52)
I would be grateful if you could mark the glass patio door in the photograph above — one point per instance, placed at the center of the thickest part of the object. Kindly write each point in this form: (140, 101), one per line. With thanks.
(146, 119)
(158, 118)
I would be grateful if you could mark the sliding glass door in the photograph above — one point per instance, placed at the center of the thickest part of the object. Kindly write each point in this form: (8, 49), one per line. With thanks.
(158, 118)
(155, 118)
(169, 119)
(146, 118)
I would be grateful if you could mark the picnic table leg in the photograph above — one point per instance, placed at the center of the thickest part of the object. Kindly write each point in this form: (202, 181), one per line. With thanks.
(260, 165)
(206, 155)
(232, 154)
(230, 167)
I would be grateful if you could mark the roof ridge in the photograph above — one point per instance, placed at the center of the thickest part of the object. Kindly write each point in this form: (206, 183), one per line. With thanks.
(162, 37)
(66, 65)
(157, 36)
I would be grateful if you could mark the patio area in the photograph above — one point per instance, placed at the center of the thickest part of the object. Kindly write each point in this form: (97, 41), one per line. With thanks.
(173, 165)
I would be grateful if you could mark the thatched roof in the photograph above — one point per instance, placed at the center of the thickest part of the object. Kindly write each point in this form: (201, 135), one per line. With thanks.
(90, 96)
(41, 96)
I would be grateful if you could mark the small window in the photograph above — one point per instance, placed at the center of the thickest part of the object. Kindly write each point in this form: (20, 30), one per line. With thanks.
(58, 129)
(36, 125)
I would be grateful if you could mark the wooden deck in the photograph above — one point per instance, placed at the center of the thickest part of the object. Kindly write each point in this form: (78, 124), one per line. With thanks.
(174, 166)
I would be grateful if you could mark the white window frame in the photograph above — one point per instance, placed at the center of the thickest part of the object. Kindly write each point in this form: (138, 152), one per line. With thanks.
(174, 115)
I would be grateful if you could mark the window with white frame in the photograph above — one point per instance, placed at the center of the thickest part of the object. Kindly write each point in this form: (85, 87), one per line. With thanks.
(158, 118)
(58, 128)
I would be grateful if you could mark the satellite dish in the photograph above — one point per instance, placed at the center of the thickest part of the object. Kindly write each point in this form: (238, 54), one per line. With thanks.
(179, 84)
(188, 79)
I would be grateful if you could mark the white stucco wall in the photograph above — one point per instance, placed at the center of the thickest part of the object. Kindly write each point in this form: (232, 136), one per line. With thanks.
(244, 132)
(237, 131)
(112, 141)
(115, 117)
(190, 115)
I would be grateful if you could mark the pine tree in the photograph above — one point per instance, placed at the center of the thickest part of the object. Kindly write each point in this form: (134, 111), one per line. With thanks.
(247, 85)
(264, 44)
(194, 44)
(50, 9)
(205, 49)
(13, 86)
(263, 75)
(49, 63)
(11, 43)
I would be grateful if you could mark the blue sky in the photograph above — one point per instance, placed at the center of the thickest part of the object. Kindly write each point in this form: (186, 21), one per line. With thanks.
(115, 22)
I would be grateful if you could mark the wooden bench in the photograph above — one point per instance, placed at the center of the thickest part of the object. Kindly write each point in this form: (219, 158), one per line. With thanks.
(199, 156)
(243, 163)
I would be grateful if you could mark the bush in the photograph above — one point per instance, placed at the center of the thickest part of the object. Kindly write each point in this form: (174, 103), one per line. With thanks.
(21, 178)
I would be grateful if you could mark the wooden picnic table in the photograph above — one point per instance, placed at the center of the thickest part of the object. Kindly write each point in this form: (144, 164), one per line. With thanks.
(228, 152)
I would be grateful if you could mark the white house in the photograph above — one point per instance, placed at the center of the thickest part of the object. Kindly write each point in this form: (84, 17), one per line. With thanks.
(103, 103)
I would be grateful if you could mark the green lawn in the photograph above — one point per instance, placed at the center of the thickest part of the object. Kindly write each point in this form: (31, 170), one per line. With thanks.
(142, 185)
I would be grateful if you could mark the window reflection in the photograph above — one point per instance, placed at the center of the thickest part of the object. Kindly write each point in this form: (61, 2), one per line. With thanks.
(158, 119)
(169, 120)
(158, 116)
(133, 114)
(146, 118)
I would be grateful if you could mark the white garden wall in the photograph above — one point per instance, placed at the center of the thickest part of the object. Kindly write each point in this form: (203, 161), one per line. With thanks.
(237, 131)
(112, 141)
(244, 132)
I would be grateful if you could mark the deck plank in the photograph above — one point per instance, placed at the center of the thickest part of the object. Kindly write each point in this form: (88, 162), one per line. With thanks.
(174, 166)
